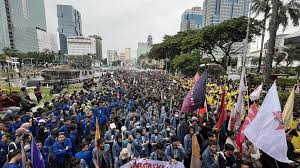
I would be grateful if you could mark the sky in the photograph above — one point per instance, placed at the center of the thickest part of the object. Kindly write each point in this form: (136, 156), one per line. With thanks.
(124, 23)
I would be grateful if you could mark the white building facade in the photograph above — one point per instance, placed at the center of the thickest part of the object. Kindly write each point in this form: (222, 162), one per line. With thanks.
(78, 45)
(46, 41)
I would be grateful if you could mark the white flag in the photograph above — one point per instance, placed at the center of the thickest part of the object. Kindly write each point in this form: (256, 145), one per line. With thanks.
(239, 107)
(266, 131)
(256, 93)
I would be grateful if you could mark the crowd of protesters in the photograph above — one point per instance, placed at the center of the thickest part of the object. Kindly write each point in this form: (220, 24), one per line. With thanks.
(139, 117)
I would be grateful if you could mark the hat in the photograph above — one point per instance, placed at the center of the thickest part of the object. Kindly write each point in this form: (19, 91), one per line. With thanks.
(124, 154)
(112, 126)
(41, 121)
(123, 128)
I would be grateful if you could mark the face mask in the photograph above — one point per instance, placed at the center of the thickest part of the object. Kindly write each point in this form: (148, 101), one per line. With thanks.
(168, 129)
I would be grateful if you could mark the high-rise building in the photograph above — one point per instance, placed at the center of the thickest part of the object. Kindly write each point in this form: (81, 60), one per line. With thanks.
(112, 55)
(122, 57)
(20, 20)
(79, 45)
(46, 41)
(127, 54)
(98, 46)
(144, 48)
(217, 11)
(69, 24)
(191, 19)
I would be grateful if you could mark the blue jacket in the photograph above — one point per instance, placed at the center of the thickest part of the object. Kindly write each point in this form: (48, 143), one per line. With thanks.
(134, 147)
(3, 152)
(108, 135)
(65, 130)
(208, 160)
(104, 156)
(116, 149)
(170, 153)
(60, 150)
(86, 155)
(153, 156)
(188, 144)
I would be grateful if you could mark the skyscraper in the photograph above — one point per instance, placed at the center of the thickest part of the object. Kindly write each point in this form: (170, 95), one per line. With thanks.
(191, 19)
(217, 11)
(69, 24)
(98, 46)
(144, 48)
(20, 20)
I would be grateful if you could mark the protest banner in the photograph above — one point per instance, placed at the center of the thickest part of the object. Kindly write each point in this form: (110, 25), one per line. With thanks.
(142, 163)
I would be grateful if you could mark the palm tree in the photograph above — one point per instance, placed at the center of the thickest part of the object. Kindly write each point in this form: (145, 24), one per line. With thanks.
(258, 7)
(282, 12)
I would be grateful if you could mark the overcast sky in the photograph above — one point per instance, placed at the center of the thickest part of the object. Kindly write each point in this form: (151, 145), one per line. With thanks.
(124, 23)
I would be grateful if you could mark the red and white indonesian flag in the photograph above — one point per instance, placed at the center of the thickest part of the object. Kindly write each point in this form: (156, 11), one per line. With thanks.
(266, 131)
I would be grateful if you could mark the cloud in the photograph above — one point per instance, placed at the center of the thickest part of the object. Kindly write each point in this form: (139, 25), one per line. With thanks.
(123, 23)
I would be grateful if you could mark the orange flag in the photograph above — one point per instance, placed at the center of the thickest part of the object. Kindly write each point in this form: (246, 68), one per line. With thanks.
(97, 133)
(195, 161)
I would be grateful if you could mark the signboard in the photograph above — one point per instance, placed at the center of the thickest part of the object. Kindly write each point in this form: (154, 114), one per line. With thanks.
(142, 163)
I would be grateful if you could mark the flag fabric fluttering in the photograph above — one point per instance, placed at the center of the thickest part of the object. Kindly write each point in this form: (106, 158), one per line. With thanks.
(239, 109)
(266, 131)
(97, 133)
(240, 138)
(196, 96)
(287, 113)
(255, 95)
(195, 160)
(204, 109)
(36, 156)
(222, 111)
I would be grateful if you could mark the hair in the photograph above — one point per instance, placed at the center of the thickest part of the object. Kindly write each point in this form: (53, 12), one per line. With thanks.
(246, 162)
(13, 154)
(230, 133)
(7, 135)
(229, 147)
(159, 145)
(175, 138)
(210, 143)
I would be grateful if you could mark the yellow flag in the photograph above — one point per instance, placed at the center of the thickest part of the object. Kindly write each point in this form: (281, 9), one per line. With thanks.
(287, 114)
(97, 133)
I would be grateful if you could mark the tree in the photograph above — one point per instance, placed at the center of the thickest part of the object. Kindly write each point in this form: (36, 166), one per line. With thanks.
(298, 71)
(222, 36)
(261, 6)
(291, 55)
(281, 13)
(81, 61)
(188, 64)
(10, 52)
(170, 47)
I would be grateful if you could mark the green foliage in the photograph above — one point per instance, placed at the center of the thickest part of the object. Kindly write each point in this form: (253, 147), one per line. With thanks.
(80, 61)
(37, 57)
(170, 47)
(188, 64)
(223, 36)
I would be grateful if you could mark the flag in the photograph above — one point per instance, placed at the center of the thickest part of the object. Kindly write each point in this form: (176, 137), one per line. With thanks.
(36, 156)
(97, 133)
(287, 114)
(239, 108)
(204, 109)
(196, 96)
(266, 131)
(256, 93)
(240, 138)
(195, 160)
(223, 111)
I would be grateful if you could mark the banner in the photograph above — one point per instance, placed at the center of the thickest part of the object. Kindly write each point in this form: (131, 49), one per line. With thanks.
(141, 163)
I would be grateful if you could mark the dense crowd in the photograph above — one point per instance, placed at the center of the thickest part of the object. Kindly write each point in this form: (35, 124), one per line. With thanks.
(139, 117)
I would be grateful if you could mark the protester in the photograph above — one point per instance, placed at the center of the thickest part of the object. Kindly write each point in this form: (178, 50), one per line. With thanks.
(131, 115)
